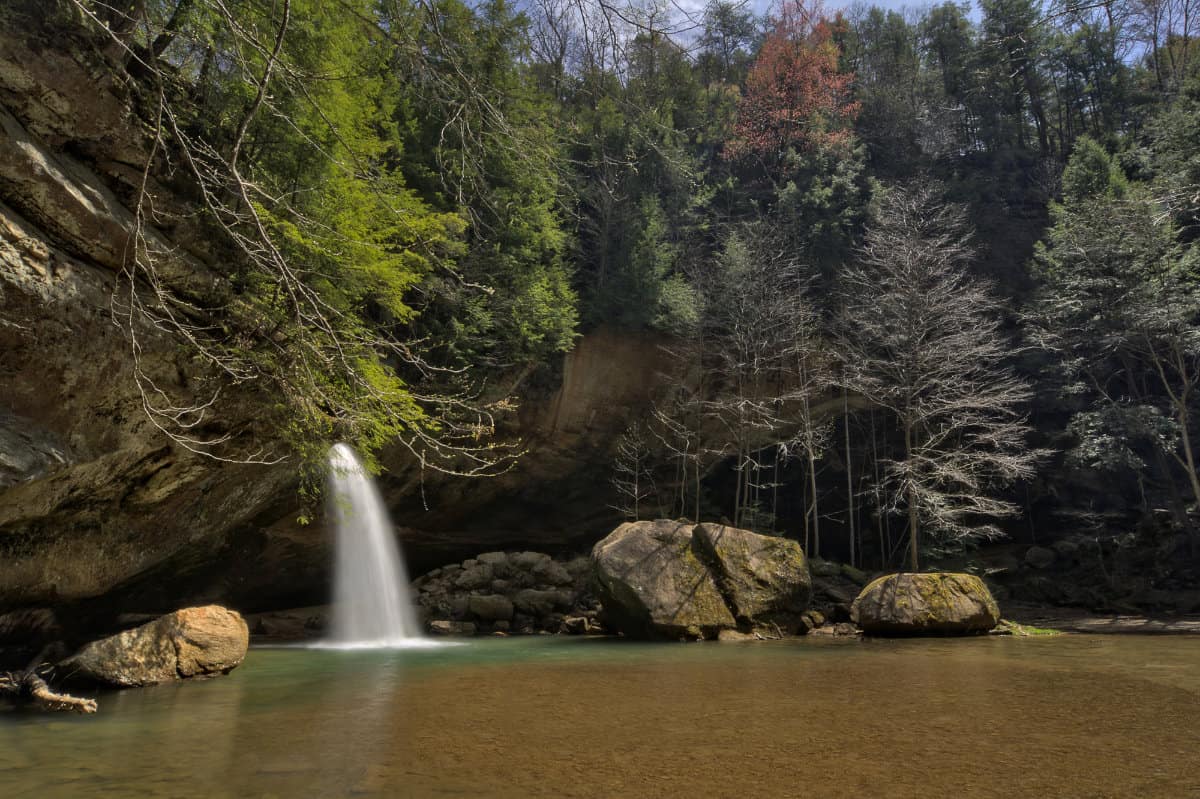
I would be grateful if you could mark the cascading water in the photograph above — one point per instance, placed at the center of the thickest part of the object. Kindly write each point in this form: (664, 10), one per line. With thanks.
(371, 604)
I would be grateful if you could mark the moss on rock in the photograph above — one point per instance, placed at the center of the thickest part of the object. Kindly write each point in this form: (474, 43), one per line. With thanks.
(764, 579)
(938, 603)
(668, 579)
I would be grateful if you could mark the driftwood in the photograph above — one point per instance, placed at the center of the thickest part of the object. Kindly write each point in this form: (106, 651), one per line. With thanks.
(28, 688)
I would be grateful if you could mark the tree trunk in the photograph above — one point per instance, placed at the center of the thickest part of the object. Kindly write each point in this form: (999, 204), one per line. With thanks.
(737, 489)
(812, 480)
(1183, 418)
(775, 492)
(807, 525)
(884, 532)
(849, 472)
(911, 499)
(27, 688)
(681, 478)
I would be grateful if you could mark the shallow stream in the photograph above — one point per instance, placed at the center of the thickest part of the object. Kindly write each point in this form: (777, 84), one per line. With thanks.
(1072, 716)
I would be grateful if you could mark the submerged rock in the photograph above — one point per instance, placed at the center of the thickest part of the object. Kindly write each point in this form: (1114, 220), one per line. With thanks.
(445, 627)
(192, 642)
(938, 603)
(667, 579)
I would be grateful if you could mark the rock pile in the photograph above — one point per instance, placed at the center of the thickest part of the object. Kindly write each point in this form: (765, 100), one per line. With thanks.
(509, 592)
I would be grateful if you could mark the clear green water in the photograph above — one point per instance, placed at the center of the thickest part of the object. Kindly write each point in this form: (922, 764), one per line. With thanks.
(1073, 716)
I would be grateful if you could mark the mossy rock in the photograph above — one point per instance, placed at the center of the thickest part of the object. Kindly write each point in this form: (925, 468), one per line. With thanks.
(667, 579)
(764, 579)
(938, 603)
(652, 585)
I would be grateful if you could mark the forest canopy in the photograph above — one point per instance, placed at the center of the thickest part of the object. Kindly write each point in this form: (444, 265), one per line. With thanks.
(413, 198)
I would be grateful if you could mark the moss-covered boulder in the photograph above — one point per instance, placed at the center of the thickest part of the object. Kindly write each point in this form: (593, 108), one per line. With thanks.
(652, 585)
(939, 603)
(667, 579)
(764, 579)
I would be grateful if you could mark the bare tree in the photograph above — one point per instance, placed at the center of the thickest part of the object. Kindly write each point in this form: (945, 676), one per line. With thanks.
(677, 436)
(922, 340)
(1167, 30)
(632, 477)
(765, 364)
(811, 380)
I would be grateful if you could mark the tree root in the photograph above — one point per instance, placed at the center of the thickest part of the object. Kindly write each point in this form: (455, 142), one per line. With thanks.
(27, 688)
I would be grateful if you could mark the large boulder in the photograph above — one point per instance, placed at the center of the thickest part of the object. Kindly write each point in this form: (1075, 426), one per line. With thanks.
(764, 579)
(667, 579)
(652, 585)
(192, 642)
(939, 603)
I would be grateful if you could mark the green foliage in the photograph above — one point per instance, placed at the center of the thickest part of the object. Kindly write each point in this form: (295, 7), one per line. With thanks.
(646, 292)
(882, 50)
(1113, 438)
(729, 33)
(388, 213)
(1119, 302)
(483, 143)
(1170, 156)
(1092, 173)
(427, 194)
(325, 269)
(821, 207)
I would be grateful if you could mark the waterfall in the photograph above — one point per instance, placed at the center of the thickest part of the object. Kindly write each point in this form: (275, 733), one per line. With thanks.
(371, 602)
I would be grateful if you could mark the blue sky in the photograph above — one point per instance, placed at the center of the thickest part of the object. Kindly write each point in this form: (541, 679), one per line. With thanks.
(696, 7)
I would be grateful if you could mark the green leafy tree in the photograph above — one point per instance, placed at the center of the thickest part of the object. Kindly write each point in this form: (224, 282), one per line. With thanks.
(482, 144)
(726, 42)
(284, 120)
(1013, 45)
(1092, 175)
(1120, 303)
(881, 49)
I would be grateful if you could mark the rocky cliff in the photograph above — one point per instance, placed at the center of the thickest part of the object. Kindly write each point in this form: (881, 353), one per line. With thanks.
(100, 512)
(92, 496)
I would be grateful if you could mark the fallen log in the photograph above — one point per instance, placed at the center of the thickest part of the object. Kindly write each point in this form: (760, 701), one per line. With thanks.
(28, 688)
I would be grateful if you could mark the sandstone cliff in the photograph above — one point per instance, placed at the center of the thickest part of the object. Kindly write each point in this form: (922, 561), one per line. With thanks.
(100, 512)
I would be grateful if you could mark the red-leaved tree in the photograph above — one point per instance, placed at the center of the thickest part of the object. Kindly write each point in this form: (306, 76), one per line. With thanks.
(795, 96)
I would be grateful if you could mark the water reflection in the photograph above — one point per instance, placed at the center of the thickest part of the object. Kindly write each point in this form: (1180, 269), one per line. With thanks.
(977, 718)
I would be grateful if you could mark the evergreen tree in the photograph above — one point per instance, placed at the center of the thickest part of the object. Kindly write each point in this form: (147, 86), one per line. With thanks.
(1120, 303)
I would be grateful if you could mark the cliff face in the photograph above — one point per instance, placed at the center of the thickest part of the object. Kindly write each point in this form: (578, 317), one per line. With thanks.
(95, 501)
(91, 493)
